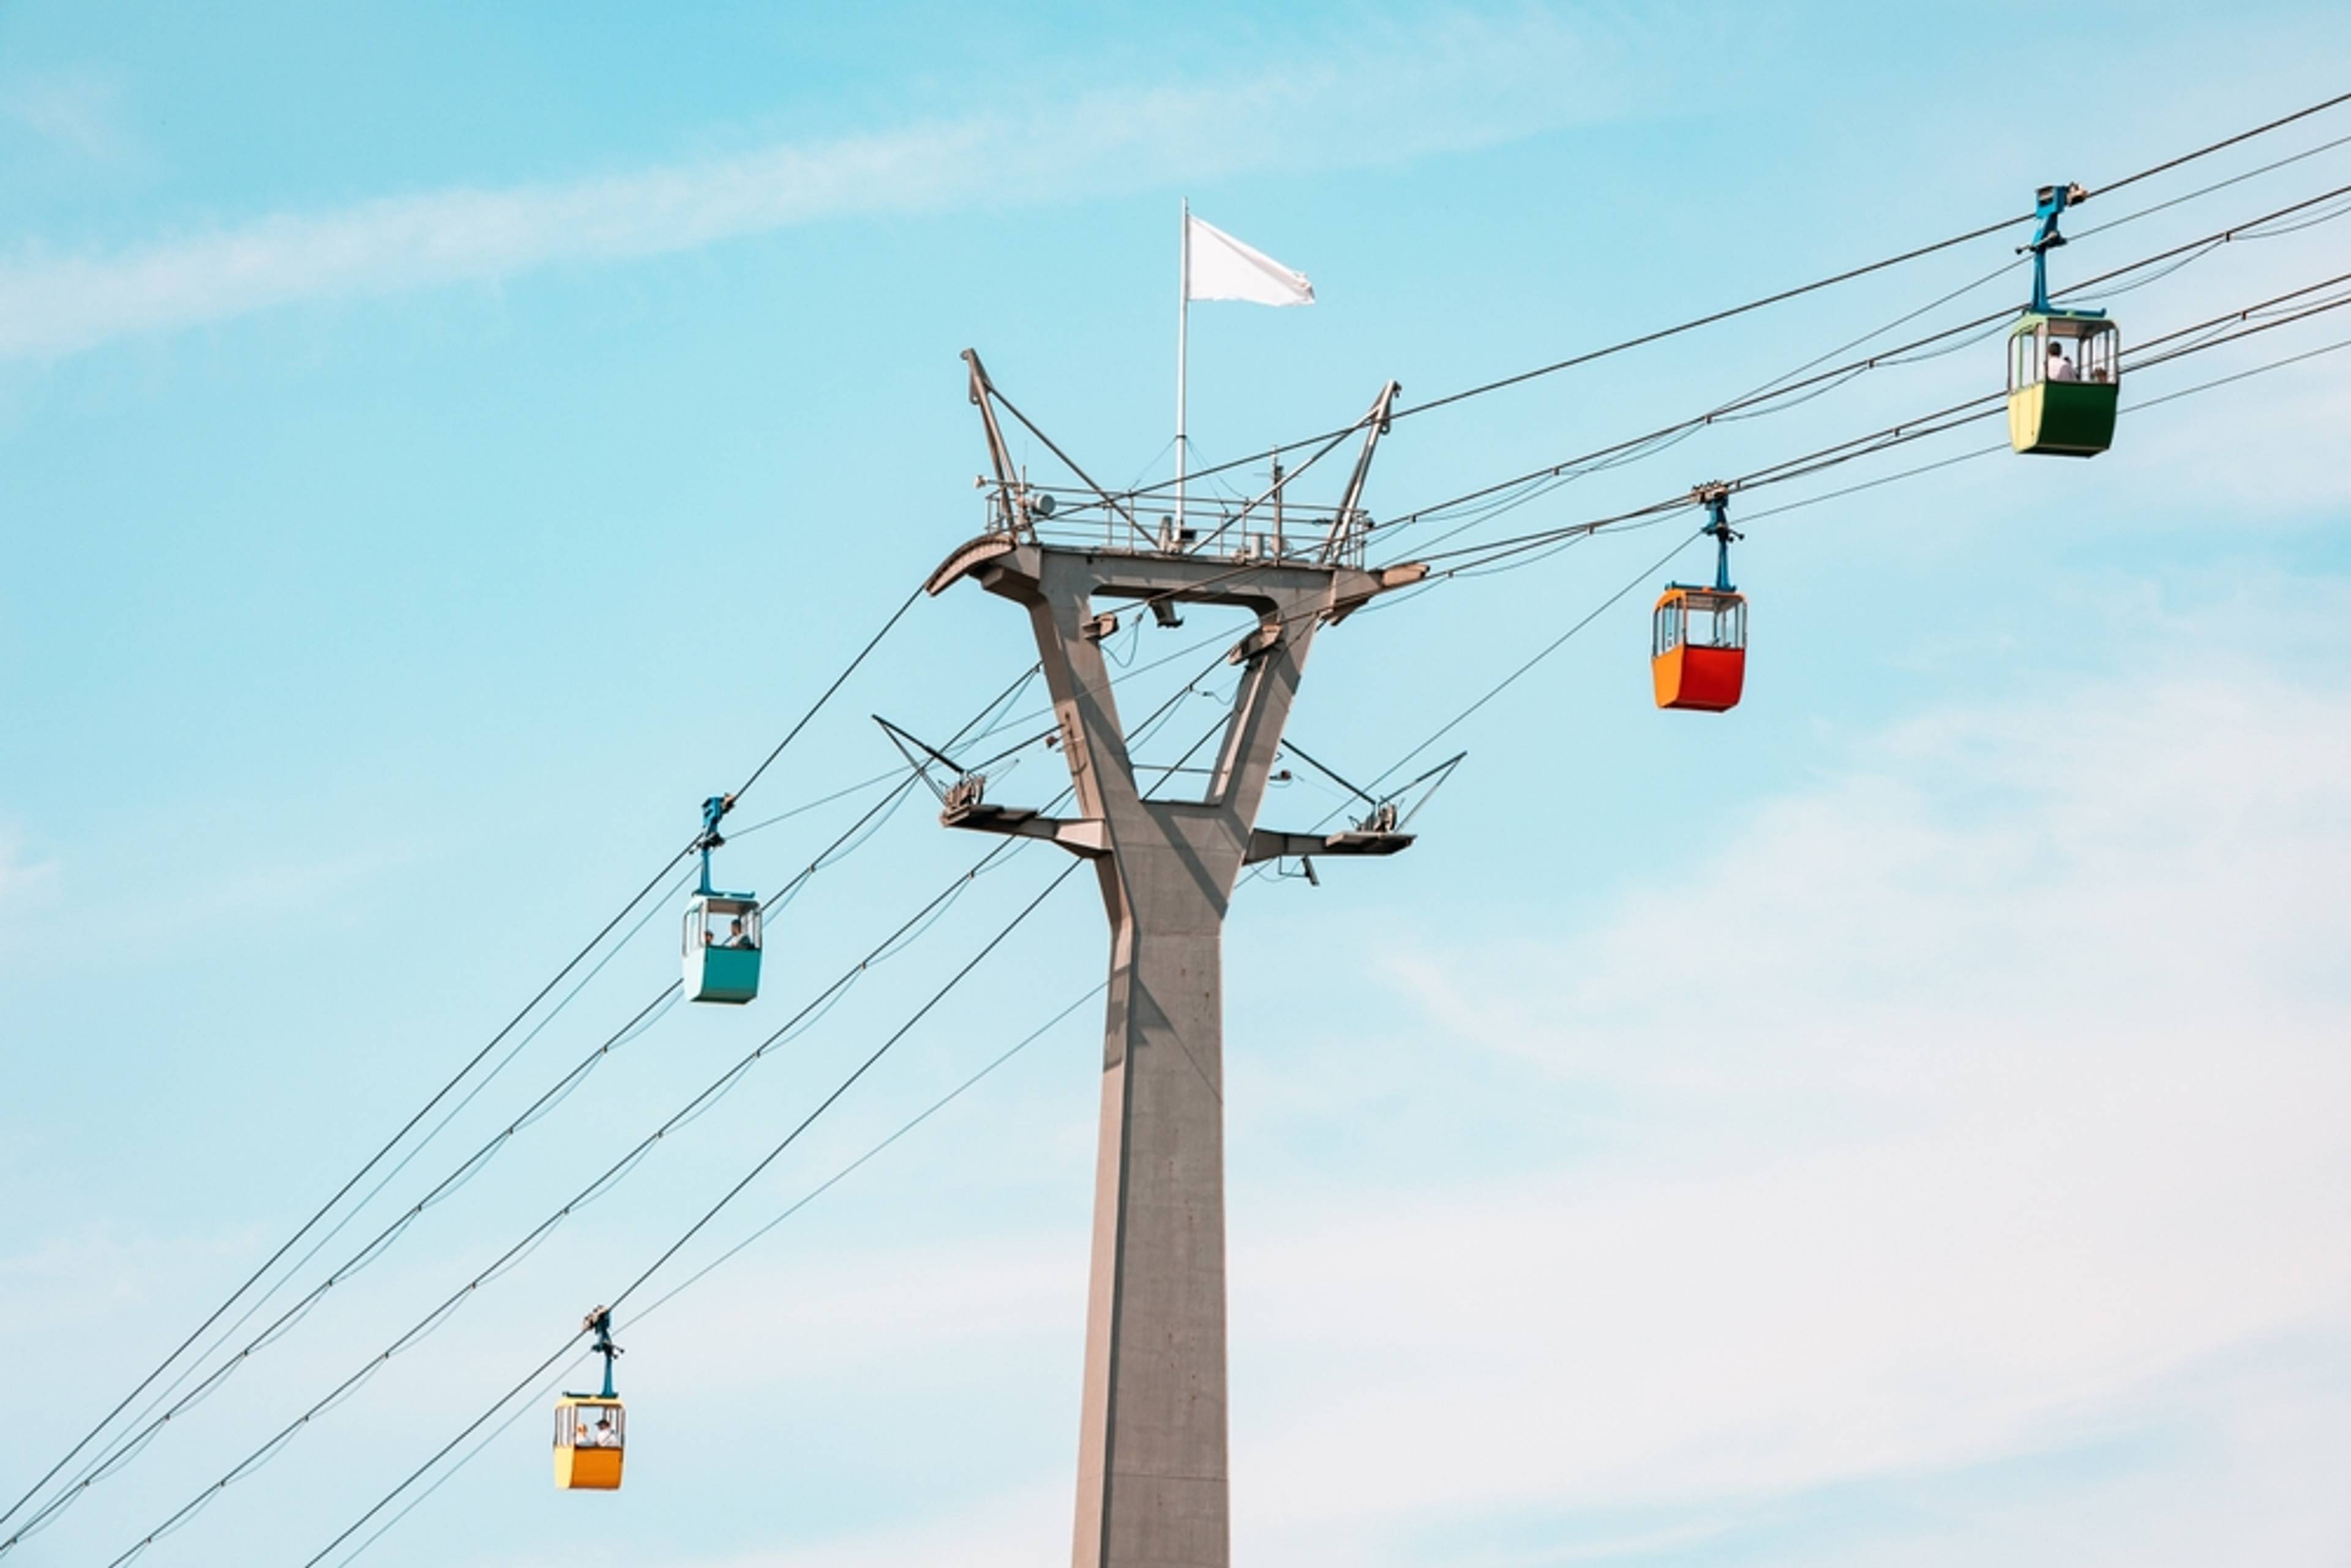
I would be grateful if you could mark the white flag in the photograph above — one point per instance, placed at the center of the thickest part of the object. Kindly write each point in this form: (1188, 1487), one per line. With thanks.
(1218, 267)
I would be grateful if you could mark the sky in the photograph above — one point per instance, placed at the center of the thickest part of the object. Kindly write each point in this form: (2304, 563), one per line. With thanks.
(1897, 1121)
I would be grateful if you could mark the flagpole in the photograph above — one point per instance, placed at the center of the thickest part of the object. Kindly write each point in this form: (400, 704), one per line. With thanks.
(1182, 349)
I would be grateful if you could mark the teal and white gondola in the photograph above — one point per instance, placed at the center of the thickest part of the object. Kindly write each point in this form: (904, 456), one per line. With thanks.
(722, 929)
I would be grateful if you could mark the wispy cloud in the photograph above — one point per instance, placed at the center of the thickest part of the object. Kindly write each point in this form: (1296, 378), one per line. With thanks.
(2008, 1128)
(2011, 1133)
(1453, 83)
(69, 1281)
(26, 885)
(177, 915)
(2003, 1120)
(81, 114)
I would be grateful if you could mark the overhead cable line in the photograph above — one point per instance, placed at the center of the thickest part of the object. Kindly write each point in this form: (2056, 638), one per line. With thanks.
(125, 1447)
(1916, 428)
(533, 1376)
(1919, 427)
(2203, 191)
(549, 1385)
(1462, 717)
(1791, 469)
(2107, 188)
(903, 1128)
(442, 1092)
(1937, 423)
(339, 1193)
(1716, 317)
(1777, 394)
(609, 1176)
(837, 682)
(642, 1021)
(2203, 244)
(1162, 712)
(2209, 148)
(112, 1456)
(2002, 446)
(1416, 408)
(765, 1228)
(1648, 572)
(1766, 399)
(1548, 649)
(616, 1172)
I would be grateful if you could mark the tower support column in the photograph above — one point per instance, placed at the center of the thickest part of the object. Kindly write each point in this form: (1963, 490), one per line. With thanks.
(1152, 1473)
(1152, 1488)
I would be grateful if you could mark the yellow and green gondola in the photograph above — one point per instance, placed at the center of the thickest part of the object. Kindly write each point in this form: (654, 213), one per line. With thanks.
(2064, 367)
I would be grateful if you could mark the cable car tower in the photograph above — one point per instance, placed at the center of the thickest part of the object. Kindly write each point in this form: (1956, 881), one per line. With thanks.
(1152, 1478)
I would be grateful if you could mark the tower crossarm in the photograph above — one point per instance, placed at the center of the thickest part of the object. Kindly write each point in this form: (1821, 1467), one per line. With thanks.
(1089, 837)
(1264, 845)
(1064, 589)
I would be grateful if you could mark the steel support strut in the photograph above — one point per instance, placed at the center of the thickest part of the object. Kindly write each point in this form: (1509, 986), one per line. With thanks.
(1151, 1477)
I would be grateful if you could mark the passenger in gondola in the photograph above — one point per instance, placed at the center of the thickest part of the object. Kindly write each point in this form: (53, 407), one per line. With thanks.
(737, 936)
(2061, 369)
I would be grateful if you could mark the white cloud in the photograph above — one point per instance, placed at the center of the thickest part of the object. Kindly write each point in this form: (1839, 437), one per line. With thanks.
(2005, 1124)
(1454, 82)
(70, 1280)
(868, 1307)
(1017, 1529)
(176, 917)
(2262, 451)
(27, 886)
(82, 113)
(1968, 1107)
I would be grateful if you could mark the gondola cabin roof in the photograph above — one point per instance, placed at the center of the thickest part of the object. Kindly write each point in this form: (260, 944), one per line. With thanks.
(2031, 321)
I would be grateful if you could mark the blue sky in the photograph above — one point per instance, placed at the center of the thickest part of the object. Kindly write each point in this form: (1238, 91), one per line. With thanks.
(1899, 1121)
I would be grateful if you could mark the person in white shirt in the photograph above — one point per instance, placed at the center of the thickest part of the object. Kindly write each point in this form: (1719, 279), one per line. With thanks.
(2061, 369)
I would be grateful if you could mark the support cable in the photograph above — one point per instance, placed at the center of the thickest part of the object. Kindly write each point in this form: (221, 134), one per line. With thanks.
(126, 1447)
(837, 682)
(1769, 477)
(2000, 446)
(1649, 572)
(694, 1229)
(1917, 428)
(2203, 245)
(112, 1456)
(1716, 317)
(1451, 724)
(1780, 393)
(610, 1176)
(726, 1199)
(425, 1110)
(2209, 148)
(340, 1194)
(788, 1212)
(531, 1378)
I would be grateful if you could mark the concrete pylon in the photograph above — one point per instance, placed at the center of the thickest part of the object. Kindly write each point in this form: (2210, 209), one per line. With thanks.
(1151, 1477)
